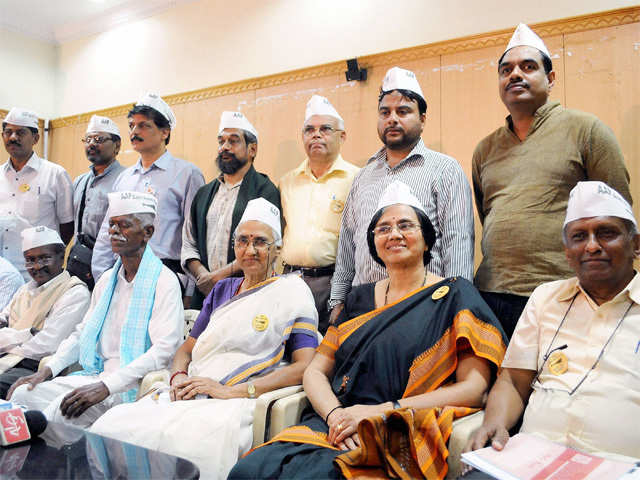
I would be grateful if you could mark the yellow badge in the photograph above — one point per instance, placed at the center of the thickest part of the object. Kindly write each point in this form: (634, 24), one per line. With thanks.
(260, 323)
(558, 363)
(25, 187)
(337, 206)
(439, 293)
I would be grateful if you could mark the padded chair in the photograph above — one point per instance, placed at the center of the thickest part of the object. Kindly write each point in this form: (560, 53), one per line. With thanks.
(286, 411)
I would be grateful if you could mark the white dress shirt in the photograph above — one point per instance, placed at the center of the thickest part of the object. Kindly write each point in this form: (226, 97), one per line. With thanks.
(166, 327)
(41, 193)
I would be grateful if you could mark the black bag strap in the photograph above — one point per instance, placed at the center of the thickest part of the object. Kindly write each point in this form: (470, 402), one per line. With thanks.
(82, 203)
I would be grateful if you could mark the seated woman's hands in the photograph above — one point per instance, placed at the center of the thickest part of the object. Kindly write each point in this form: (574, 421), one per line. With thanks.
(188, 387)
(343, 424)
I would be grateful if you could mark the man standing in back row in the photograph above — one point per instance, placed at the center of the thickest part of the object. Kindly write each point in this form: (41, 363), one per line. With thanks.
(173, 181)
(313, 198)
(437, 180)
(523, 173)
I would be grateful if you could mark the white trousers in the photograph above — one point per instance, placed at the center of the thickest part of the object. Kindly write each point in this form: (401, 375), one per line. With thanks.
(48, 395)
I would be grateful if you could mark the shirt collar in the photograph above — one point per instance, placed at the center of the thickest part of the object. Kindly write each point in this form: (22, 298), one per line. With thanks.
(631, 290)
(338, 165)
(381, 155)
(539, 116)
(162, 162)
(106, 171)
(34, 162)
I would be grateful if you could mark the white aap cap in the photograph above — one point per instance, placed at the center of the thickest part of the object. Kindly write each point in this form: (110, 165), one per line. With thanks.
(21, 117)
(99, 124)
(597, 199)
(400, 79)
(126, 203)
(266, 212)
(398, 192)
(318, 105)
(524, 36)
(236, 120)
(157, 103)
(38, 236)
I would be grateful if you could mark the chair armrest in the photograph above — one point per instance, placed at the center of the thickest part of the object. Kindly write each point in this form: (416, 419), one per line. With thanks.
(75, 367)
(151, 378)
(462, 430)
(287, 412)
(262, 412)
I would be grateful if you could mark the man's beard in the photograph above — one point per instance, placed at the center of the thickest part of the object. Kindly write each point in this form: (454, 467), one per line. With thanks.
(230, 166)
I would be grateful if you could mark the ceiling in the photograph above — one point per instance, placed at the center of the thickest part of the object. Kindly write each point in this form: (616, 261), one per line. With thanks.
(57, 21)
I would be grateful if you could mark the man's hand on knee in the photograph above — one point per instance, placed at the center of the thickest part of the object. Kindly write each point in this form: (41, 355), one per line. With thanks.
(32, 380)
(75, 403)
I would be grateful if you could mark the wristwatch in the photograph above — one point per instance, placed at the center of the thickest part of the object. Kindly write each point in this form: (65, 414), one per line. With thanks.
(251, 390)
(332, 303)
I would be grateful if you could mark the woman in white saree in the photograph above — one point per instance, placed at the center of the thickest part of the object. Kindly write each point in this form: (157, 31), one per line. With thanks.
(247, 326)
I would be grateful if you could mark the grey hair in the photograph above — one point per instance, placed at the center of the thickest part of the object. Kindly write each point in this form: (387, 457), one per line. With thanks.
(145, 219)
(632, 229)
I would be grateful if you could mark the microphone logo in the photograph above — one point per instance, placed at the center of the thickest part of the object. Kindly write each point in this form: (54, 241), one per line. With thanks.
(14, 424)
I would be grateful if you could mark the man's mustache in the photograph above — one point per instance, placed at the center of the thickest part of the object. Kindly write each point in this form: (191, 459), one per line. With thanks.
(137, 138)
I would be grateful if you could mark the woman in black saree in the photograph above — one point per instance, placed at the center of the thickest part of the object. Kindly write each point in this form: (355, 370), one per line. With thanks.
(408, 355)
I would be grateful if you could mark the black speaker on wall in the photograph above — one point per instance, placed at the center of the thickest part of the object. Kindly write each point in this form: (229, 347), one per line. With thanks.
(354, 72)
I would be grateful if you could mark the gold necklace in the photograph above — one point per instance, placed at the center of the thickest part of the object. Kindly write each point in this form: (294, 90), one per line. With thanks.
(386, 293)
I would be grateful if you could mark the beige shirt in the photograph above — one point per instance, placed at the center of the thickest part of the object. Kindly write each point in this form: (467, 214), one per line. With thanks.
(312, 208)
(601, 416)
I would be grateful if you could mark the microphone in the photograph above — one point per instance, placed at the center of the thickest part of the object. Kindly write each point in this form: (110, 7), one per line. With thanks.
(561, 347)
(17, 426)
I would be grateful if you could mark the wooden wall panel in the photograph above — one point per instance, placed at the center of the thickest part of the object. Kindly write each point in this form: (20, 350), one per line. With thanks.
(602, 77)
(595, 58)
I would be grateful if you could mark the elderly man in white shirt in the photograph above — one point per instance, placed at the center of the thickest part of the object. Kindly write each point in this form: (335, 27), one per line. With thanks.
(43, 312)
(134, 326)
(33, 191)
(572, 364)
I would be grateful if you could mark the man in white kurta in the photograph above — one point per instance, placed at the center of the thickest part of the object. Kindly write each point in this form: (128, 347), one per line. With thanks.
(81, 399)
(42, 312)
(574, 357)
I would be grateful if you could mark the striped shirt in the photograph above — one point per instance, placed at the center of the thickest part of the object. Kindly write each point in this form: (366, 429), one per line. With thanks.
(441, 186)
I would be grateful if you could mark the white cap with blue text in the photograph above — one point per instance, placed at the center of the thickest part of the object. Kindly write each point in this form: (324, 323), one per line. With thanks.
(126, 203)
(318, 105)
(157, 103)
(99, 124)
(525, 37)
(400, 79)
(597, 199)
(398, 193)
(236, 120)
(39, 236)
(264, 211)
(21, 117)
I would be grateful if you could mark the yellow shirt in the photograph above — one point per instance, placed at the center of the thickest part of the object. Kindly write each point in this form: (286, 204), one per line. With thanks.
(312, 208)
(601, 416)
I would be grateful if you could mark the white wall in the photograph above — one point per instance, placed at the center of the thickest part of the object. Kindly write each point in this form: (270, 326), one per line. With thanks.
(211, 42)
(28, 73)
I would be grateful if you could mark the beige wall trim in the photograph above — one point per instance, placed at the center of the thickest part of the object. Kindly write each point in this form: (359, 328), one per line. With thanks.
(501, 37)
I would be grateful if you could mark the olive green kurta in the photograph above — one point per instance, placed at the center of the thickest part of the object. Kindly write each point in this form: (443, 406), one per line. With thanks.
(522, 188)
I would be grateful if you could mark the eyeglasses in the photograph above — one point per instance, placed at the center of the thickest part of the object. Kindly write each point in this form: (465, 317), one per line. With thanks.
(96, 140)
(259, 243)
(40, 260)
(402, 227)
(325, 130)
